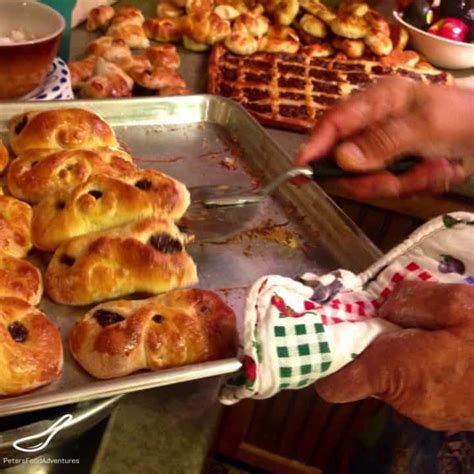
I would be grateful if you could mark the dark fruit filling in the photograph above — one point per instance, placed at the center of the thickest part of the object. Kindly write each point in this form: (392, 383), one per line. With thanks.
(143, 184)
(21, 124)
(157, 318)
(164, 243)
(96, 194)
(17, 331)
(67, 260)
(106, 318)
(60, 205)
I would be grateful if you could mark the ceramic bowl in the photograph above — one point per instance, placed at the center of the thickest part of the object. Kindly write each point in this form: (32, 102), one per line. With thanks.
(439, 51)
(25, 62)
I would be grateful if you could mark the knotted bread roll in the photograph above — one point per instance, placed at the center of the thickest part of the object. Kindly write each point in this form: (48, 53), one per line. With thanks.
(103, 202)
(37, 173)
(180, 327)
(147, 257)
(62, 128)
(31, 353)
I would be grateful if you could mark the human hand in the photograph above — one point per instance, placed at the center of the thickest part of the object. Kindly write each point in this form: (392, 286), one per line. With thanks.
(393, 118)
(425, 371)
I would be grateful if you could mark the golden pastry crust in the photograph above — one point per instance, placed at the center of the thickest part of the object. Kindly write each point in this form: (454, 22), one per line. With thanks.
(37, 173)
(31, 353)
(128, 14)
(139, 60)
(280, 39)
(164, 55)
(313, 26)
(178, 328)
(147, 256)
(3, 156)
(111, 49)
(166, 30)
(168, 10)
(15, 227)
(103, 202)
(81, 71)
(99, 17)
(61, 128)
(20, 279)
(156, 77)
(205, 28)
(108, 80)
(134, 35)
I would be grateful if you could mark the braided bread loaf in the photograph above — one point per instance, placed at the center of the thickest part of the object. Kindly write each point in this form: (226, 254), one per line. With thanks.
(147, 256)
(103, 202)
(31, 353)
(180, 327)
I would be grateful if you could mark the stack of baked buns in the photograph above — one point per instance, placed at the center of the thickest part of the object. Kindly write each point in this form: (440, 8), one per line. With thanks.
(110, 229)
(111, 69)
(31, 353)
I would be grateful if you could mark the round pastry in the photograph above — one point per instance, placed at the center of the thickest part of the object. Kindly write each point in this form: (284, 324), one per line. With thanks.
(111, 49)
(139, 60)
(31, 353)
(352, 48)
(128, 14)
(280, 39)
(313, 26)
(377, 23)
(318, 10)
(168, 10)
(352, 27)
(379, 43)
(3, 156)
(103, 202)
(192, 45)
(133, 34)
(318, 50)
(20, 279)
(283, 11)
(99, 18)
(61, 128)
(81, 71)
(37, 173)
(156, 77)
(108, 80)
(353, 7)
(241, 43)
(181, 327)
(255, 25)
(147, 256)
(15, 227)
(226, 12)
(203, 28)
(166, 30)
(163, 55)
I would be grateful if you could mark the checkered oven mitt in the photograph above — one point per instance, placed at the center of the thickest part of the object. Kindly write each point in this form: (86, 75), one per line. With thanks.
(295, 333)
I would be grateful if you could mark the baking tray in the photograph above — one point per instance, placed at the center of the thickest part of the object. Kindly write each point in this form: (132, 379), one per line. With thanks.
(189, 137)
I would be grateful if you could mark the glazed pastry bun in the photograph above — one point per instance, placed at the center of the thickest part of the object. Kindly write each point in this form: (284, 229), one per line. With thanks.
(180, 327)
(144, 257)
(103, 202)
(31, 353)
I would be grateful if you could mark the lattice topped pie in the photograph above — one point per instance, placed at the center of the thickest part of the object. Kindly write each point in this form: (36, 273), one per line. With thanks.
(292, 90)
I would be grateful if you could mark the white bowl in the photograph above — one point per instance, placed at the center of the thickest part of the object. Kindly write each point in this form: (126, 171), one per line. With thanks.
(439, 51)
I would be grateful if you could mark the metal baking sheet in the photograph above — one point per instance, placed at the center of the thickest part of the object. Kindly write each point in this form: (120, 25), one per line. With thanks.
(189, 137)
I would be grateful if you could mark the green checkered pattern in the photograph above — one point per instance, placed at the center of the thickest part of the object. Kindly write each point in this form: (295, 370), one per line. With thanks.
(303, 352)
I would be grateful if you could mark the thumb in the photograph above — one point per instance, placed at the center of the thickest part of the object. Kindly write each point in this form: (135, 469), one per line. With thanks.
(380, 144)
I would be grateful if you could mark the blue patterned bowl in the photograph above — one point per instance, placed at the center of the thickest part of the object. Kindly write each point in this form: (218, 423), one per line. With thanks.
(55, 86)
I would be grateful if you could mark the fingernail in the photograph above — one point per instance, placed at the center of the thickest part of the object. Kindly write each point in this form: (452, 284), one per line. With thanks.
(350, 157)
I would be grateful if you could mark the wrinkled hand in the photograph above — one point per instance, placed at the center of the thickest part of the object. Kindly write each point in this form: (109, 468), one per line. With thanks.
(393, 118)
(426, 371)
